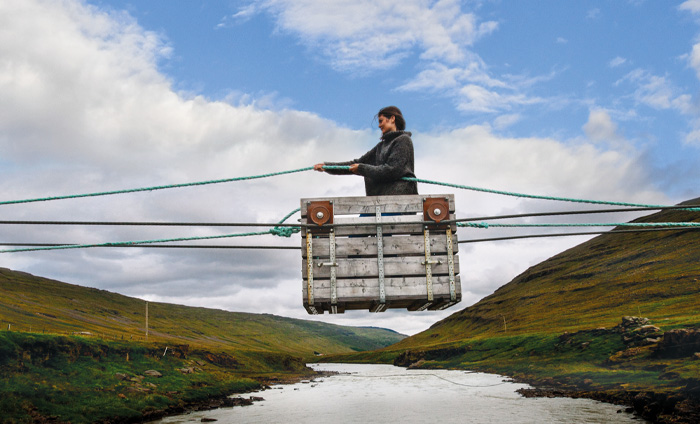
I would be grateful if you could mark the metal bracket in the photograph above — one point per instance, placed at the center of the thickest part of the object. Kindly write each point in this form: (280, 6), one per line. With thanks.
(319, 212)
(436, 209)
(380, 256)
(425, 306)
(379, 307)
(451, 264)
(428, 264)
(310, 274)
(334, 289)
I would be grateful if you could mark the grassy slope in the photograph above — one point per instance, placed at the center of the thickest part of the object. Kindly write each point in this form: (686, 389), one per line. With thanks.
(84, 380)
(43, 305)
(544, 326)
(653, 274)
(46, 370)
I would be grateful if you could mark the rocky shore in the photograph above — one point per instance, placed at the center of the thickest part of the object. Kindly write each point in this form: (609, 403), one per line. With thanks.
(658, 408)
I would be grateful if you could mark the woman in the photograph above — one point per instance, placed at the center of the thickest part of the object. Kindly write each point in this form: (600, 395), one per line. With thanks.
(388, 162)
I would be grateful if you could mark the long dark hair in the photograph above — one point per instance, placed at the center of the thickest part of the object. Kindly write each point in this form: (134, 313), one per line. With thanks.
(390, 111)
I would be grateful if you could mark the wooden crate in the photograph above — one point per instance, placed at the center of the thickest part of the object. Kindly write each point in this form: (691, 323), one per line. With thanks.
(371, 254)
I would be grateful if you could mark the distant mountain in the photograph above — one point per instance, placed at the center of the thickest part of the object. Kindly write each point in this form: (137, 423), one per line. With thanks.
(34, 304)
(653, 274)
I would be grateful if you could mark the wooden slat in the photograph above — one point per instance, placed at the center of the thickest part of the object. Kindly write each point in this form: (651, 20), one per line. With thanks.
(397, 245)
(393, 266)
(367, 289)
(367, 204)
(370, 230)
(403, 224)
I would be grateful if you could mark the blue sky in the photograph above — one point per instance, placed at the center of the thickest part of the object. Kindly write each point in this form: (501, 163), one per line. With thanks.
(588, 99)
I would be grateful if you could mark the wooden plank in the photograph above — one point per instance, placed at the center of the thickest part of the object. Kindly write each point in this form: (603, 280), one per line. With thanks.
(368, 204)
(393, 266)
(371, 230)
(405, 224)
(359, 293)
(396, 245)
(409, 304)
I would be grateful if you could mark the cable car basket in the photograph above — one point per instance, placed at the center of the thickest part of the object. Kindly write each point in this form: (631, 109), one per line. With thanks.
(379, 252)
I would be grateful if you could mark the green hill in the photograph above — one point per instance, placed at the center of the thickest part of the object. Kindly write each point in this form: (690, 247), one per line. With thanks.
(34, 304)
(651, 274)
(560, 323)
(80, 355)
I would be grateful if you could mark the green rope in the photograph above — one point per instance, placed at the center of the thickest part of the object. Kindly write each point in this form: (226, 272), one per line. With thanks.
(162, 187)
(344, 167)
(336, 167)
(623, 224)
(277, 231)
(534, 196)
(286, 231)
(530, 196)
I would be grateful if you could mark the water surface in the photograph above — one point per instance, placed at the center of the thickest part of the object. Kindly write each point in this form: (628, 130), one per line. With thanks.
(365, 393)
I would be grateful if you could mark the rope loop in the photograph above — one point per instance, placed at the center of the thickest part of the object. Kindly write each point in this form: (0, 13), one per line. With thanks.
(286, 231)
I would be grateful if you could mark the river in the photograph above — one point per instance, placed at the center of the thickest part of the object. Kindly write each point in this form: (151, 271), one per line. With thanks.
(364, 393)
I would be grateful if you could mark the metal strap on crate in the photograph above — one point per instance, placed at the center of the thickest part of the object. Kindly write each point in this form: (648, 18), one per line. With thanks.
(451, 265)
(380, 261)
(334, 265)
(310, 273)
(428, 262)
(436, 209)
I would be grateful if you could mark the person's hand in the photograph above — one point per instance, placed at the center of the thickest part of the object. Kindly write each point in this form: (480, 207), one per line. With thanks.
(318, 167)
(353, 168)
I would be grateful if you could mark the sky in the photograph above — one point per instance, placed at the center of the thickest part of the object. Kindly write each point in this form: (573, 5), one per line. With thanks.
(589, 99)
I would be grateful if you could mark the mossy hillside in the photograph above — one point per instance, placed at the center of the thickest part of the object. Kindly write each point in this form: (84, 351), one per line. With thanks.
(31, 303)
(651, 274)
(82, 380)
(79, 354)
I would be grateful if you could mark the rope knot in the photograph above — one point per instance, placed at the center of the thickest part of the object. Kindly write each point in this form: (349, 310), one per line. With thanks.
(284, 231)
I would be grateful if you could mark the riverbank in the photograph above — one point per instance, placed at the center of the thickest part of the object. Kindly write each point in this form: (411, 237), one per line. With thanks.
(74, 380)
(231, 400)
(661, 408)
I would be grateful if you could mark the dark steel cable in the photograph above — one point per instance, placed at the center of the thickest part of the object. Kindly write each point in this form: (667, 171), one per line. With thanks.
(583, 233)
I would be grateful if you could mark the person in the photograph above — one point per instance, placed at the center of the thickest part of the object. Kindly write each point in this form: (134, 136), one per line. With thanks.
(384, 166)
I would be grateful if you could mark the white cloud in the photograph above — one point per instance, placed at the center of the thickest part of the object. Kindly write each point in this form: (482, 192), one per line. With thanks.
(361, 35)
(505, 121)
(474, 98)
(593, 13)
(694, 59)
(438, 77)
(692, 138)
(365, 36)
(692, 6)
(617, 61)
(601, 129)
(657, 91)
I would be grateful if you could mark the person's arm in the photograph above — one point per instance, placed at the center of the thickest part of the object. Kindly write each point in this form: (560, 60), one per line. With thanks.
(353, 164)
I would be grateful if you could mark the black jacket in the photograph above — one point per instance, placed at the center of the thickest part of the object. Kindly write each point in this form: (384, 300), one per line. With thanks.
(385, 165)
